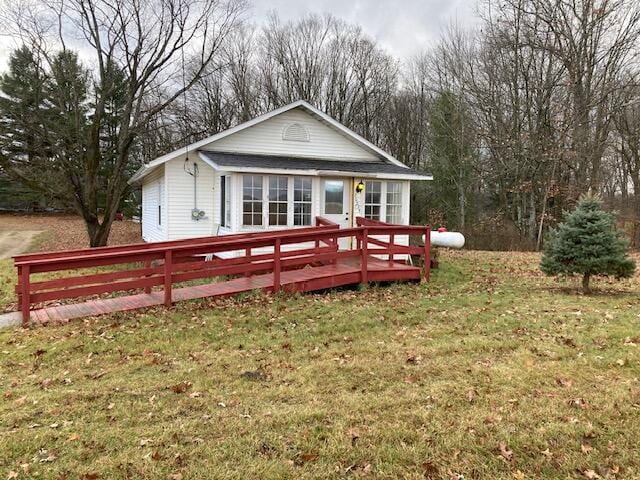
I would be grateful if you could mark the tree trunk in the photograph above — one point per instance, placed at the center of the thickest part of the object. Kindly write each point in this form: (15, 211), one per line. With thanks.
(98, 232)
(585, 283)
(102, 236)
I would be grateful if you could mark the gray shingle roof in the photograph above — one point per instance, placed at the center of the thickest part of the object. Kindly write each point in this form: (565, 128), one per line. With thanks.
(240, 160)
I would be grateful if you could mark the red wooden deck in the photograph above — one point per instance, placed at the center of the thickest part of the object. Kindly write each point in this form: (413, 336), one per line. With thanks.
(344, 272)
(299, 268)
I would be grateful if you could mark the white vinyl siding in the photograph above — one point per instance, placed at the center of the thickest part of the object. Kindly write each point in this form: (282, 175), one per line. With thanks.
(153, 203)
(266, 138)
(180, 198)
(304, 197)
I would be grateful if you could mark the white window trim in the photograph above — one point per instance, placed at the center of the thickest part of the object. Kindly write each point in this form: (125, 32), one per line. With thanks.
(382, 203)
(383, 199)
(265, 202)
(400, 204)
(291, 206)
(264, 197)
(226, 210)
(268, 201)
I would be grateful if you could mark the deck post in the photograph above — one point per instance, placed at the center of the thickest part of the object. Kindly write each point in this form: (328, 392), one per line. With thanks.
(247, 254)
(168, 266)
(392, 239)
(25, 299)
(147, 264)
(427, 253)
(276, 265)
(365, 253)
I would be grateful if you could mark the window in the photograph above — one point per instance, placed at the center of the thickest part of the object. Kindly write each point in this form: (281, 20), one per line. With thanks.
(301, 201)
(160, 200)
(394, 202)
(333, 197)
(372, 199)
(252, 200)
(225, 201)
(278, 200)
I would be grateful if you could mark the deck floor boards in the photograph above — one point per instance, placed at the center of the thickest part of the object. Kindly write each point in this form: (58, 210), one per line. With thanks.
(343, 272)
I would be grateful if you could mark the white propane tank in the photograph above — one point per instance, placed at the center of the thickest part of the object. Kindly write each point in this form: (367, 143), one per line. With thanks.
(446, 239)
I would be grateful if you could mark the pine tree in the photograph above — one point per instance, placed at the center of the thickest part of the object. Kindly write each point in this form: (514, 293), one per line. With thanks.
(44, 118)
(587, 243)
(451, 153)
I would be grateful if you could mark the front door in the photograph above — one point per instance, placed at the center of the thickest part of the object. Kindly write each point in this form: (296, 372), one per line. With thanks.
(335, 205)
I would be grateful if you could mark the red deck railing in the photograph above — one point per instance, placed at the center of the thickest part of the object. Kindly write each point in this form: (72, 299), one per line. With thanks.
(171, 262)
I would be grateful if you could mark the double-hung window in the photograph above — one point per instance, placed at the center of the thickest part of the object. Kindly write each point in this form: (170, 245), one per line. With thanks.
(302, 201)
(394, 202)
(252, 200)
(278, 200)
(372, 199)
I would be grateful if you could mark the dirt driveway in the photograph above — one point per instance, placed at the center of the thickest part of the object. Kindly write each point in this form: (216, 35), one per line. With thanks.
(60, 232)
(16, 241)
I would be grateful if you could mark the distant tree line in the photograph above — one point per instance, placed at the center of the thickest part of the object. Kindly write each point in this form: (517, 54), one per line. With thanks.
(515, 118)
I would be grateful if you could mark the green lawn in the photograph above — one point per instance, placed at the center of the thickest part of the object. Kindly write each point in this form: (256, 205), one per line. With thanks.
(491, 371)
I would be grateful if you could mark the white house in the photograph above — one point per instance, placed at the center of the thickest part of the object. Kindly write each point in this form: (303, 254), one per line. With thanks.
(279, 170)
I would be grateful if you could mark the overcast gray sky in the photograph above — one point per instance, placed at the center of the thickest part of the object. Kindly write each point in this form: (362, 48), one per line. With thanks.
(403, 27)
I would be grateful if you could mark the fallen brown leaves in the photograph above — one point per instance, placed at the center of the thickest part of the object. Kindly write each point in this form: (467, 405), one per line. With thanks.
(66, 232)
(433, 381)
(181, 387)
(505, 452)
(590, 474)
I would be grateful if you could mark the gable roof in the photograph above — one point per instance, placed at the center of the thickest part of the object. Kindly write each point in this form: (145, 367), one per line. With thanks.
(149, 167)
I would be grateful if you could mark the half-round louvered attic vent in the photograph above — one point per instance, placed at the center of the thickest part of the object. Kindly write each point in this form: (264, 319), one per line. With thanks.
(295, 132)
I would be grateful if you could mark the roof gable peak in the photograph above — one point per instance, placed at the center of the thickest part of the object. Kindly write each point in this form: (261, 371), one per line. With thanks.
(302, 104)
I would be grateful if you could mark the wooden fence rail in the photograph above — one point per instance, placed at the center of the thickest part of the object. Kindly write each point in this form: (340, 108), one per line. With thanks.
(144, 266)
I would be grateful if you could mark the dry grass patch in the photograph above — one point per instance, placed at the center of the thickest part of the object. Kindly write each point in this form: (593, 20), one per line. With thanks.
(490, 371)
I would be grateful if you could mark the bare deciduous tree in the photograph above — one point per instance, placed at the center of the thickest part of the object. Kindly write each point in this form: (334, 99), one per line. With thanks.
(135, 49)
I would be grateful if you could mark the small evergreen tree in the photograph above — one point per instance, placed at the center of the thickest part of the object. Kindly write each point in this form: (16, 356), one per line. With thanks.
(587, 243)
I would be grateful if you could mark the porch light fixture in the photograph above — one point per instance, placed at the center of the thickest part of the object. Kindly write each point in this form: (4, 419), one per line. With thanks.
(359, 187)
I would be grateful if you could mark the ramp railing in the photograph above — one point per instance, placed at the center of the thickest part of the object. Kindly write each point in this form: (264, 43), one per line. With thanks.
(144, 266)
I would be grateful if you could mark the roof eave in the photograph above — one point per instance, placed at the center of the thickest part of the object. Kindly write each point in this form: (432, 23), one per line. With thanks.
(317, 173)
(138, 175)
